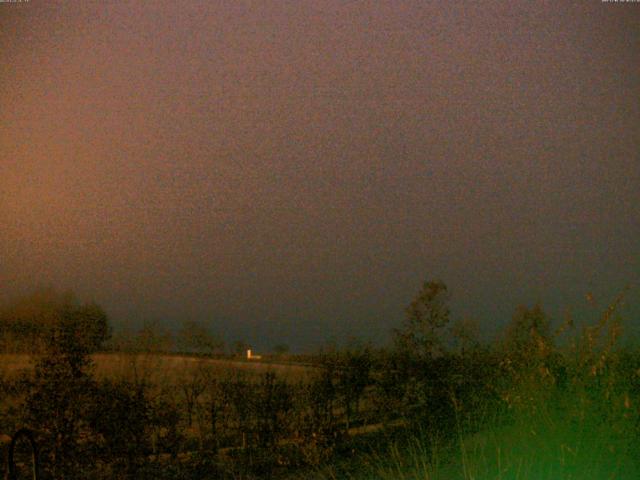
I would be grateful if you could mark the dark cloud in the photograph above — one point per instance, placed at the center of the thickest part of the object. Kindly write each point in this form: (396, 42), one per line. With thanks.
(291, 171)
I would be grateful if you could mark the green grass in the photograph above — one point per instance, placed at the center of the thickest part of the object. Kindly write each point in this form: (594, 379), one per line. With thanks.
(549, 445)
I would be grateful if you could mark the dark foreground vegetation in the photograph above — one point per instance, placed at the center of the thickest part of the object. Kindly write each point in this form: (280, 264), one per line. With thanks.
(542, 402)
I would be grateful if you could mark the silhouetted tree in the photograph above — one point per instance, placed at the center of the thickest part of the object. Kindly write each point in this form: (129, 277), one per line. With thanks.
(152, 337)
(240, 347)
(528, 335)
(281, 350)
(121, 417)
(192, 385)
(195, 337)
(272, 403)
(466, 335)
(353, 371)
(426, 318)
(421, 355)
(60, 393)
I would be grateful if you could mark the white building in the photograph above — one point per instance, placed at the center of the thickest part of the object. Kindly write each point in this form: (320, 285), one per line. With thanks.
(251, 356)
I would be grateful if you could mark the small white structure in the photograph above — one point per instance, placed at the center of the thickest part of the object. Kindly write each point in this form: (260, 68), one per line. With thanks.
(251, 356)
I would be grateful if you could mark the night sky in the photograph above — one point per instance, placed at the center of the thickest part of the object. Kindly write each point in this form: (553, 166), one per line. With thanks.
(291, 171)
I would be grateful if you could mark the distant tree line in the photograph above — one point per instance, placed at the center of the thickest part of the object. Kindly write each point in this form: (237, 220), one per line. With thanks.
(29, 324)
(33, 323)
(152, 337)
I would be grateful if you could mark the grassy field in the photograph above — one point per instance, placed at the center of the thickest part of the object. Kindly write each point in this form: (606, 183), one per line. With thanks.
(159, 368)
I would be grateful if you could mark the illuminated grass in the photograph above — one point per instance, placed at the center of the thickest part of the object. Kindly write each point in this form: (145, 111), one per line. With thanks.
(550, 446)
